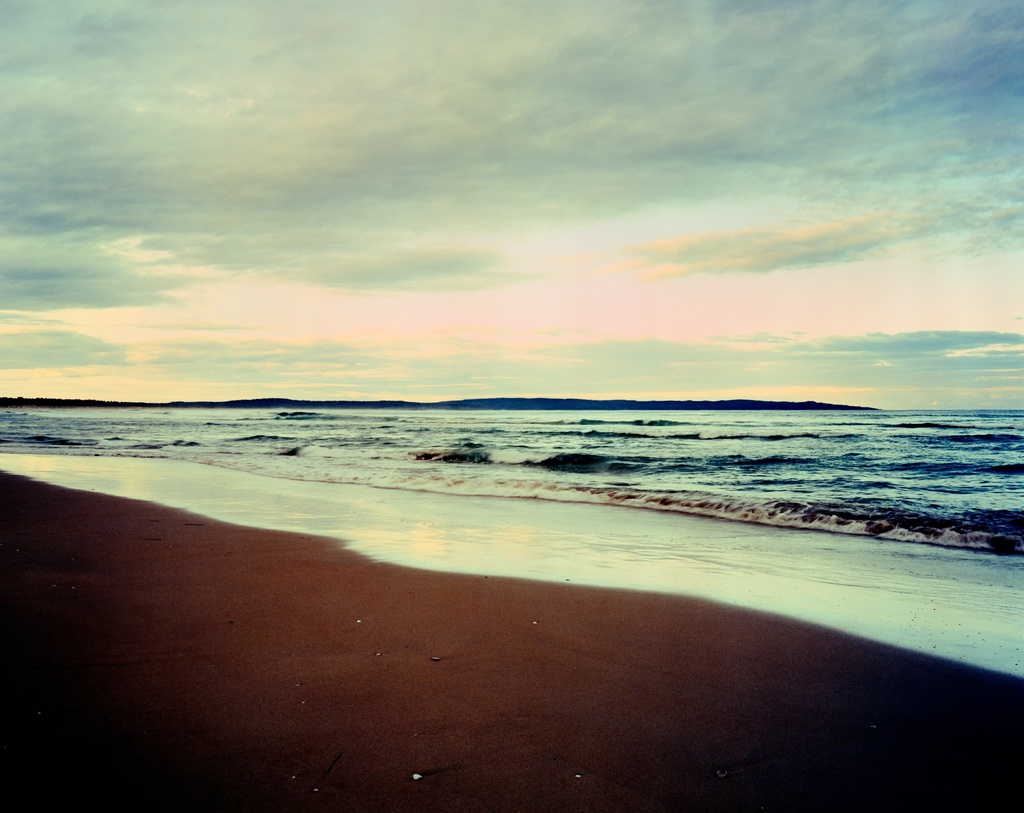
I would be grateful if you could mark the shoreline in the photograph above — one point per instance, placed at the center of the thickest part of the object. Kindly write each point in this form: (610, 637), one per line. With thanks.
(963, 606)
(162, 659)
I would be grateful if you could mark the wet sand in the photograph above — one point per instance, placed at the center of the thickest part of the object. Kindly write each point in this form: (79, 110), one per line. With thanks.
(155, 659)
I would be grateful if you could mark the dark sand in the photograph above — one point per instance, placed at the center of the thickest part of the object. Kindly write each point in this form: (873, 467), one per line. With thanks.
(157, 660)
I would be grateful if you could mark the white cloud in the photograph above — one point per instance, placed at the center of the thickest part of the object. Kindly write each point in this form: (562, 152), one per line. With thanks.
(763, 250)
(56, 349)
(250, 136)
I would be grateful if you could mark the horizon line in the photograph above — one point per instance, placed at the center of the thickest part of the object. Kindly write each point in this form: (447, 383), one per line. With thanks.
(488, 403)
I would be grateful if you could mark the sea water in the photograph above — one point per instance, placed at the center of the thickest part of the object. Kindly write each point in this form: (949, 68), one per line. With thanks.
(885, 524)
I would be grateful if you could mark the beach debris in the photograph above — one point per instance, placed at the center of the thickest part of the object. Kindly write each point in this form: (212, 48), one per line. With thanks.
(417, 776)
(434, 658)
(721, 774)
(333, 763)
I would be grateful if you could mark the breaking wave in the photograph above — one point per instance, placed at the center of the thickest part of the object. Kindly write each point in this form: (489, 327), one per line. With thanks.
(998, 532)
(890, 524)
(951, 479)
(465, 455)
(47, 440)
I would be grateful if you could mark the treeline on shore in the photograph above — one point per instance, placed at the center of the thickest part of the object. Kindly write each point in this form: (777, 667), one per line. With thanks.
(467, 403)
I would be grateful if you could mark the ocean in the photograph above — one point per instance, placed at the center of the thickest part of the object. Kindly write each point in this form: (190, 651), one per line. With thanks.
(906, 527)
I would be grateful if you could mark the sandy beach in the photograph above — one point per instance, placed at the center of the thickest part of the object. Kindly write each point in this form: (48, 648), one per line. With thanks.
(155, 659)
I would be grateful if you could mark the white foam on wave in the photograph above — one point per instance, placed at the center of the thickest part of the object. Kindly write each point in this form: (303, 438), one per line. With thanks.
(781, 514)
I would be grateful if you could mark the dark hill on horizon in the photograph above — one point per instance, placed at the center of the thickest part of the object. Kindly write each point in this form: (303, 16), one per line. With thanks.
(617, 404)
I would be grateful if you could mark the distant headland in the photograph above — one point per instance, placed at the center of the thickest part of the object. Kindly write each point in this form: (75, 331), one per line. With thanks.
(617, 404)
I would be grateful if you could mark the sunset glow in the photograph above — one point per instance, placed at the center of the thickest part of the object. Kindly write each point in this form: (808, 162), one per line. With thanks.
(431, 200)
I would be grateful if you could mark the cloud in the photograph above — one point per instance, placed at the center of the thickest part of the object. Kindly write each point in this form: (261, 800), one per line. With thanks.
(764, 250)
(423, 270)
(56, 349)
(1001, 350)
(980, 220)
(971, 226)
(402, 269)
(921, 344)
(60, 273)
(268, 138)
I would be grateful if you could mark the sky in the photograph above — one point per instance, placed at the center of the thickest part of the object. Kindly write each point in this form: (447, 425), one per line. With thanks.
(795, 199)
